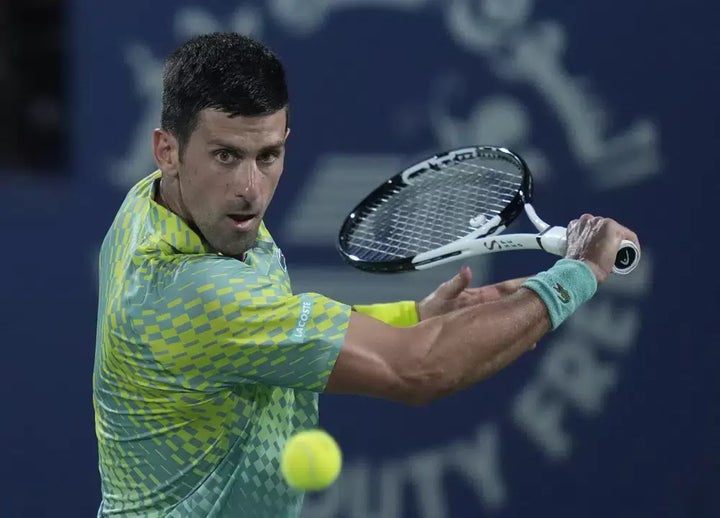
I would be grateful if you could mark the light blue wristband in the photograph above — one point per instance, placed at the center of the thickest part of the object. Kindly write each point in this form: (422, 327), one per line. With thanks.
(563, 288)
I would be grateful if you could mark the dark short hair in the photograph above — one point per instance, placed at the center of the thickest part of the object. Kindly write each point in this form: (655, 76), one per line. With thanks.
(224, 71)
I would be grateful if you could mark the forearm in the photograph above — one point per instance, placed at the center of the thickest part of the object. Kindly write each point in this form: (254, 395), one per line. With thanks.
(469, 345)
(508, 287)
(444, 354)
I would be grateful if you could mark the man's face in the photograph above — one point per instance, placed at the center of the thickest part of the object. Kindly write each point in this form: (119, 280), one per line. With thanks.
(227, 176)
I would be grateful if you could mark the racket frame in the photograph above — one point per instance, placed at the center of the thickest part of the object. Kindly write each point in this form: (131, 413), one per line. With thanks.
(488, 237)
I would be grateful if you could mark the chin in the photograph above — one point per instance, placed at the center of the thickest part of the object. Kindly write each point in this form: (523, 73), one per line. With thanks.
(237, 249)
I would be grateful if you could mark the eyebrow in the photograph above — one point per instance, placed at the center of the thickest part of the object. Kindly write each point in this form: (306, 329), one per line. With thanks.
(275, 146)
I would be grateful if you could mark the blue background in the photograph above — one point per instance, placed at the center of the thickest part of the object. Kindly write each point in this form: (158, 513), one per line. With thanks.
(652, 450)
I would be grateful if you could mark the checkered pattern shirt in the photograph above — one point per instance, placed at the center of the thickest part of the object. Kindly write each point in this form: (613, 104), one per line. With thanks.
(204, 366)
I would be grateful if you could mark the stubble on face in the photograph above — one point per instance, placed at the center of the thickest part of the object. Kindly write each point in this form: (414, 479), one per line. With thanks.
(227, 176)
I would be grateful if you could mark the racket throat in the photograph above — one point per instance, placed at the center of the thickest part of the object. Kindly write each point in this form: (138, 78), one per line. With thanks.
(532, 215)
(553, 240)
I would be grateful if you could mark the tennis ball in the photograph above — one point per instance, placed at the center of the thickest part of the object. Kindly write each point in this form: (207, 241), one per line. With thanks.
(311, 460)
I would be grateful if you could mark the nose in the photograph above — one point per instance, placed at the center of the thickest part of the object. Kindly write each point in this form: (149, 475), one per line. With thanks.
(247, 184)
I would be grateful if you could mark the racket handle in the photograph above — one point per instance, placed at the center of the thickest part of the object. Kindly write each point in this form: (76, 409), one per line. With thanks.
(627, 258)
(554, 240)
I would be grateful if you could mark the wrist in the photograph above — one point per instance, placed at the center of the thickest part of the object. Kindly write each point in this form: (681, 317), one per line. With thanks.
(600, 274)
(564, 287)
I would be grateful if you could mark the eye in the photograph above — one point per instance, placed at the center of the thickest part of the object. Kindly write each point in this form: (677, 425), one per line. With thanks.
(225, 156)
(268, 158)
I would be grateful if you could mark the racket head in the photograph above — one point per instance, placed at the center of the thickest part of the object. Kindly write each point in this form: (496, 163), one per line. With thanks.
(431, 204)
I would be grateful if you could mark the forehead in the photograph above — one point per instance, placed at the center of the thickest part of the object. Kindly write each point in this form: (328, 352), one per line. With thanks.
(214, 125)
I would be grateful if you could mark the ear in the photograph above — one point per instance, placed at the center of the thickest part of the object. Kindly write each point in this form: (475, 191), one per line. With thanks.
(166, 152)
(287, 133)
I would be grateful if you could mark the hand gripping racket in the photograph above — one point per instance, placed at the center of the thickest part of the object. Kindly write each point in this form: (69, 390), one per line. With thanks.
(449, 207)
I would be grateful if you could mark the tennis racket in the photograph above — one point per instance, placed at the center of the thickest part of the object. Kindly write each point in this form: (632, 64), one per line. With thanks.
(449, 207)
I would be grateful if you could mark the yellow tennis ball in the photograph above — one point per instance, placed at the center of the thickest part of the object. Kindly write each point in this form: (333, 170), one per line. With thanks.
(311, 460)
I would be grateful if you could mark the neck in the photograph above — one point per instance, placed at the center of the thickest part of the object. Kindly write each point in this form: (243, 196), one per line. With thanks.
(159, 197)
(170, 200)
(171, 203)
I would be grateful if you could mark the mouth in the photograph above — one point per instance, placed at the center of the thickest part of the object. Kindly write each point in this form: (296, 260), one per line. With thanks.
(242, 221)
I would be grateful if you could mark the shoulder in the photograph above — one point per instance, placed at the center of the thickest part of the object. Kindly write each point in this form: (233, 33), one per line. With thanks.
(133, 213)
(206, 275)
(140, 193)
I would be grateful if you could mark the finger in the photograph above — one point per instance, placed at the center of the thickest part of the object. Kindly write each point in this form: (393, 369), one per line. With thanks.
(452, 288)
(631, 236)
(623, 232)
(466, 274)
(580, 222)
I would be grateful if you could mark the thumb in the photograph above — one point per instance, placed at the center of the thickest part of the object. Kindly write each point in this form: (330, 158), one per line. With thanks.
(452, 288)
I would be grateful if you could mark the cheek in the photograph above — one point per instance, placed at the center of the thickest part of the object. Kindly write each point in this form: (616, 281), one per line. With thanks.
(200, 186)
(191, 183)
(274, 179)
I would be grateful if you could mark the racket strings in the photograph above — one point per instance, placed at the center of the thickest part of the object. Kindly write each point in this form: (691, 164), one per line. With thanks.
(434, 209)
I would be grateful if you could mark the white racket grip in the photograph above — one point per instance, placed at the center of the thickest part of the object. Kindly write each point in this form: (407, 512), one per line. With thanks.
(554, 241)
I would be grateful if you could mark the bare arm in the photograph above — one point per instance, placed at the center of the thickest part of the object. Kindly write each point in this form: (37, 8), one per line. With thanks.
(440, 355)
(447, 353)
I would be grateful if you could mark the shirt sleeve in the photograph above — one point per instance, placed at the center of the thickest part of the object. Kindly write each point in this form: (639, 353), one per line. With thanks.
(399, 314)
(216, 323)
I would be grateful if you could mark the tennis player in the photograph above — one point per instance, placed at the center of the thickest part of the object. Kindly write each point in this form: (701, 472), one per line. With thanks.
(206, 361)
